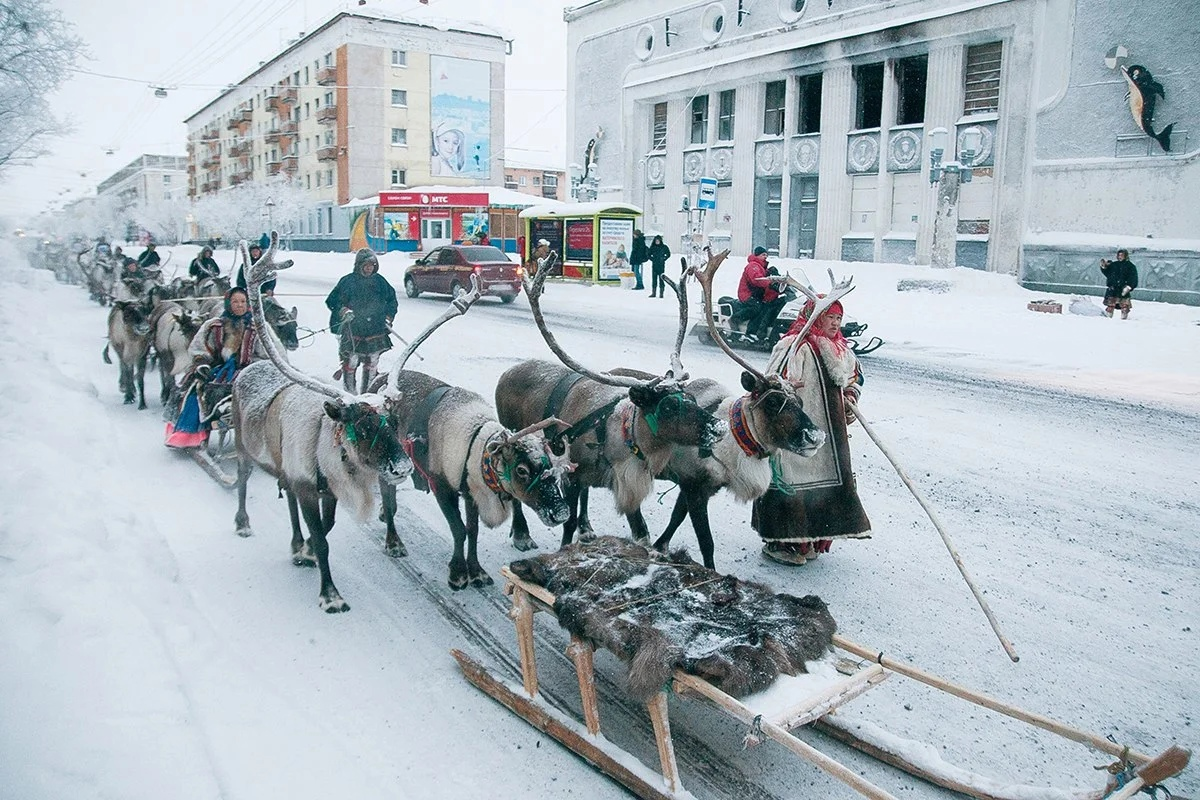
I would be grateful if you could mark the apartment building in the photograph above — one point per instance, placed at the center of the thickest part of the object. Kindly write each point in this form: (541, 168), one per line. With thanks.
(814, 118)
(537, 181)
(361, 105)
(147, 179)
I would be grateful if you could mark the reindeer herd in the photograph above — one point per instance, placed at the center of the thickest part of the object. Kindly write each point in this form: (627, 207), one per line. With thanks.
(556, 431)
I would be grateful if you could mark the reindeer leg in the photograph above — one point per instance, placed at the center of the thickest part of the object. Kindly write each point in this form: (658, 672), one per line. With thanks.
(474, 572)
(141, 383)
(167, 382)
(520, 529)
(242, 519)
(571, 495)
(328, 511)
(331, 600)
(698, 510)
(586, 534)
(392, 544)
(639, 528)
(447, 500)
(302, 552)
(127, 382)
(678, 515)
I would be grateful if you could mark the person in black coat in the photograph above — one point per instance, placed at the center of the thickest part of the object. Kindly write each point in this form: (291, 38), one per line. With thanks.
(361, 309)
(204, 266)
(149, 259)
(658, 253)
(638, 255)
(268, 287)
(1121, 278)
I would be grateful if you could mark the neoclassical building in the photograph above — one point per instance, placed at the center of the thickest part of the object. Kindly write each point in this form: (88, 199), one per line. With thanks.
(813, 116)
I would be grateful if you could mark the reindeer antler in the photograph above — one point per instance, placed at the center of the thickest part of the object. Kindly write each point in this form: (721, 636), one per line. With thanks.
(534, 291)
(821, 304)
(534, 428)
(680, 291)
(457, 308)
(263, 270)
(705, 278)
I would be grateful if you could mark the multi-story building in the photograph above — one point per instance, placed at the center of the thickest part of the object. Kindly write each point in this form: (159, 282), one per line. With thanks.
(360, 105)
(534, 180)
(147, 179)
(814, 118)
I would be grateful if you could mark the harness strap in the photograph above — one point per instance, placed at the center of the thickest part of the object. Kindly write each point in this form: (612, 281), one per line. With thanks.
(416, 438)
(596, 421)
(741, 431)
(558, 395)
(629, 431)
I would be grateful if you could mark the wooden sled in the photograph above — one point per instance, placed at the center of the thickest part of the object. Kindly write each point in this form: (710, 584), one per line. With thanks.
(851, 671)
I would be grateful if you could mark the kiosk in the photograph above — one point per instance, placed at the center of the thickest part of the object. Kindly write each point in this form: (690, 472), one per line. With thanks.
(593, 240)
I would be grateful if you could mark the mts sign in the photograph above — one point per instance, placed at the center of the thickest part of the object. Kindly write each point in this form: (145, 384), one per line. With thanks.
(433, 200)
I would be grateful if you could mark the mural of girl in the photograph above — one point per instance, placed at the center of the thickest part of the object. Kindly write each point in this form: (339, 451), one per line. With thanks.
(449, 154)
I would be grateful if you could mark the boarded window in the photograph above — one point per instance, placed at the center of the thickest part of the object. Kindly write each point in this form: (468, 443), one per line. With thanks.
(868, 96)
(658, 127)
(808, 104)
(725, 117)
(699, 119)
(982, 79)
(773, 110)
(910, 90)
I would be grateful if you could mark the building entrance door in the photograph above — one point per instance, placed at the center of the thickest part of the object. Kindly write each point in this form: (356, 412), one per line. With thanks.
(768, 207)
(803, 218)
(435, 232)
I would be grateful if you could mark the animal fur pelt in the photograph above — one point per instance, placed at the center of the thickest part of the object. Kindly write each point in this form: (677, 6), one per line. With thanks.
(660, 612)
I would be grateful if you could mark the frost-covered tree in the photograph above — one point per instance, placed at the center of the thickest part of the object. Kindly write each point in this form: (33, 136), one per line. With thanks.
(38, 50)
(165, 220)
(243, 211)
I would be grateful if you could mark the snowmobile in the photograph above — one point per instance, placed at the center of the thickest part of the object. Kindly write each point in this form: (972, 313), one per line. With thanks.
(733, 326)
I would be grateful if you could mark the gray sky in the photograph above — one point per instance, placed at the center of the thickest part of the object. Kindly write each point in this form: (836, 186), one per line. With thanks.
(200, 47)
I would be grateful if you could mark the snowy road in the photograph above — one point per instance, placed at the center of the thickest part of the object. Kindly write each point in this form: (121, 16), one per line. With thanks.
(152, 653)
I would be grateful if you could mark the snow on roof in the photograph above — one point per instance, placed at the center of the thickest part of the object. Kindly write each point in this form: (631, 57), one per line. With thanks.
(498, 197)
(579, 209)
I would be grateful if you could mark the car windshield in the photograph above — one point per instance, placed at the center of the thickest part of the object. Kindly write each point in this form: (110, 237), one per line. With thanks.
(478, 253)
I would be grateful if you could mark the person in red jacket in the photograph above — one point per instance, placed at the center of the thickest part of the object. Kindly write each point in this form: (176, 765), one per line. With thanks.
(761, 303)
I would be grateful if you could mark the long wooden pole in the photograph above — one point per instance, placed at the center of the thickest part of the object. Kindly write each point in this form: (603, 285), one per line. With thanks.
(941, 529)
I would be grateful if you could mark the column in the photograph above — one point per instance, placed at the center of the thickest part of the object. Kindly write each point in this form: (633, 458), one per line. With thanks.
(833, 191)
(943, 107)
(883, 184)
(745, 131)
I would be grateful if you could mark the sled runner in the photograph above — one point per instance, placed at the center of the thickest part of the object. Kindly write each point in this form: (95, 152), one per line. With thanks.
(790, 702)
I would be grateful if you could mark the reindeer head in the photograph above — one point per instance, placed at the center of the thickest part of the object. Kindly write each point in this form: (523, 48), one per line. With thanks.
(282, 322)
(778, 415)
(135, 316)
(674, 416)
(524, 466)
(370, 438)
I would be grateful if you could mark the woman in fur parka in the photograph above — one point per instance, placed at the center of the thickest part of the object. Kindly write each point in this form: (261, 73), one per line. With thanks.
(816, 500)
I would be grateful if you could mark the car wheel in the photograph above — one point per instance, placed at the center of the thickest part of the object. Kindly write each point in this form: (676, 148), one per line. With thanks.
(410, 287)
(507, 298)
(457, 290)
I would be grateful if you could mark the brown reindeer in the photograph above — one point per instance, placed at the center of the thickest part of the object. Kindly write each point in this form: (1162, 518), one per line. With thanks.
(173, 326)
(129, 335)
(323, 446)
(622, 430)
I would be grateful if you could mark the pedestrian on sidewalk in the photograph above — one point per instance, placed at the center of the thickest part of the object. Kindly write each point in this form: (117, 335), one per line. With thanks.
(638, 255)
(658, 253)
(1121, 279)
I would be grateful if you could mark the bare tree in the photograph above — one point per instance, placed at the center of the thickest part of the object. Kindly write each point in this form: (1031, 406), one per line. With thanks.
(38, 50)
(165, 220)
(242, 213)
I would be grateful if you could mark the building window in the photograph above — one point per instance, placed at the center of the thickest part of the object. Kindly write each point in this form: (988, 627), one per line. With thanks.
(329, 182)
(510, 182)
(868, 100)
(318, 180)
(306, 76)
(308, 181)
(398, 177)
(296, 78)
(808, 104)
(521, 181)
(658, 127)
(399, 58)
(537, 181)
(329, 211)
(306, 110)
(329, 59)
(329, 98)
(773, 109)
(167, 179)
(910, 90)
(400, 136)
(550, 180)
(399, 97)
(982, 79)
(725, 116)
(699, 133)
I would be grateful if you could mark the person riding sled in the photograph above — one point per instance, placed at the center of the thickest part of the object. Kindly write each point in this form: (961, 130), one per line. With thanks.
(219, 350)
(815, 500)
(268, 287)
(361, 309)
(204, 266)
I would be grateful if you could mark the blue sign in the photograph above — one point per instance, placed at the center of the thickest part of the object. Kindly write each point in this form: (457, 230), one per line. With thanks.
(706, 198)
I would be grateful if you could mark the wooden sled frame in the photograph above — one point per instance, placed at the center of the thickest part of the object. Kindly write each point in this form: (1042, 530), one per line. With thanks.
(862, 669)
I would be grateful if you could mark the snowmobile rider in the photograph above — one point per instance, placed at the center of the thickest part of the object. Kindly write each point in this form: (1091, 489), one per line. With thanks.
(361, 309)
(761, 302)
(268, 287)
(204, 265)
(1121, 278)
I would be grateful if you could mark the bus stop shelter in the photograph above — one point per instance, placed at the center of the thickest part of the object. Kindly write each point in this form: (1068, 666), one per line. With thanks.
(593, 240)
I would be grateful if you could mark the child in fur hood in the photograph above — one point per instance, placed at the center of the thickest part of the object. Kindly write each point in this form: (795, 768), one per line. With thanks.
(815, 501)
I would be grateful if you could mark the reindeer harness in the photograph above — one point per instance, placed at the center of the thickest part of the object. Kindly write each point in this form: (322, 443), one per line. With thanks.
(416, 439)
(740, 429)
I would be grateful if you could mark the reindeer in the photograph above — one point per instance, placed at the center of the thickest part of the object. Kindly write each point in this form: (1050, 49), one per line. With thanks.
(768, 418)
(323, 446)
(461, 450)
(622, 430)
(129, 335)
(173, 327)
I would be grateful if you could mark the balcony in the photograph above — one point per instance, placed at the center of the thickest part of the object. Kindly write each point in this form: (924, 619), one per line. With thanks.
(287, 94)
(327, 114)
(209, 186)
(244, 175)
(238, 150)
(210, 135)
(273, 167)
(272, 135)
(273, 101)
(212, 161)
(291, 164)
(327, 153)
(288, 128)
(327, 76)
(234, 123)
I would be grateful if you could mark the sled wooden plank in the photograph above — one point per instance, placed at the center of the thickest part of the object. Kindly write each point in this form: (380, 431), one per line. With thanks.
(597, 751)
(580, 652)
(1092, 740)
(1166, 764)
(657, 708)
(212, 468)
(685, 682)
(522, 617)
(837, 695)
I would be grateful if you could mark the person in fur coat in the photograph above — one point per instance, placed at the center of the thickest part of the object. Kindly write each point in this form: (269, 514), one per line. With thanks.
(815, 501)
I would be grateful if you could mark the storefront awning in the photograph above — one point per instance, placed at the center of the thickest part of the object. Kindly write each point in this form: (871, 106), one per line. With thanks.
(498, 197)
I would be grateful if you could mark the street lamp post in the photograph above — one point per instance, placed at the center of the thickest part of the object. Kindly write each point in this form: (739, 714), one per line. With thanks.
(948, 177)
(270, 204)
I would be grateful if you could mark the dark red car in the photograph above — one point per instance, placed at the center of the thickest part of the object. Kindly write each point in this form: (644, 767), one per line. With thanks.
(448, 270)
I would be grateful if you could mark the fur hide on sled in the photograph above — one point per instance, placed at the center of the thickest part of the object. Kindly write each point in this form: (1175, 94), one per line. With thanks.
(660, 612)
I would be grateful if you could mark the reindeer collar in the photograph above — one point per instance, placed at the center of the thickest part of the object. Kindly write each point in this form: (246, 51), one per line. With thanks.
(491, 478)
(740, 429)
(629, 430)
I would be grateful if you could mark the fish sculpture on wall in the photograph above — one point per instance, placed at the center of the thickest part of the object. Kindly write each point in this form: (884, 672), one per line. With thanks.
(1143, 91)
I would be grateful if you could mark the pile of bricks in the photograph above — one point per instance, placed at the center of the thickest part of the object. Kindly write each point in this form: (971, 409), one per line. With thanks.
(1045, 306)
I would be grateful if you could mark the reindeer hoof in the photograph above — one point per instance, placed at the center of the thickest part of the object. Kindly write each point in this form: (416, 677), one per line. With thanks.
(304, 557)
(458, 582)
(586, 535)
(142, 406)
(524, 543)
(397, 550)
(481, 579)
(644, 541)
(128, 401)
(333, 605)
(245, 531)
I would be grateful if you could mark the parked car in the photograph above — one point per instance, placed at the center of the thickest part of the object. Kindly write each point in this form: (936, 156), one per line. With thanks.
(448, 270)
